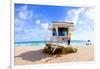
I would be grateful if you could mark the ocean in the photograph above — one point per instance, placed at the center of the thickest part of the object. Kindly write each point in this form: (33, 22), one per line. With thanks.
(42, 43)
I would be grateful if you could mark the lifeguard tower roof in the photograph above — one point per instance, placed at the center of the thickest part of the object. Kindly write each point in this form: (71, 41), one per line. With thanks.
(62, 24)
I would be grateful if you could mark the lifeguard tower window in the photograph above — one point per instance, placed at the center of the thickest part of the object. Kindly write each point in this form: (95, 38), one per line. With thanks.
(62, 31)
(54, 32)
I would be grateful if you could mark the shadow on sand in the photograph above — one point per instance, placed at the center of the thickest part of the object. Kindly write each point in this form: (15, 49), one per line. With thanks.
(33, 55)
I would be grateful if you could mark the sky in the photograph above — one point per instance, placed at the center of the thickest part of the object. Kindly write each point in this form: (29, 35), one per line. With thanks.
(31, 22)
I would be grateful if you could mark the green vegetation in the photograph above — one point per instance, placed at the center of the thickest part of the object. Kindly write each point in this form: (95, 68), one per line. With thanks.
(68, 50)
(60, 50)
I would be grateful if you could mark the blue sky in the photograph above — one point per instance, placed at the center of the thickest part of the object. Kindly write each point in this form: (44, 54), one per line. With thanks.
(31, 22)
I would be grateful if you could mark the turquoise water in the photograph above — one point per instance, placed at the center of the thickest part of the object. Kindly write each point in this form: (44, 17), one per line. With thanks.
(42, 43)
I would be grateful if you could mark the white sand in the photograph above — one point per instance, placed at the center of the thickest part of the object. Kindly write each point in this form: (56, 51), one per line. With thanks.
(34, 55)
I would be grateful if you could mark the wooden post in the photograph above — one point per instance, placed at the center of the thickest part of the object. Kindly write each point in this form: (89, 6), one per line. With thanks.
(57, 31)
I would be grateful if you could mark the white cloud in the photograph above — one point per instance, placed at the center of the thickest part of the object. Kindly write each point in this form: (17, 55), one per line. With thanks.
(24, 13)
(44, 25)
(90, 13)
(36, 34)
(18, 25)
(38, 21)
(73, 15)
(83, 20)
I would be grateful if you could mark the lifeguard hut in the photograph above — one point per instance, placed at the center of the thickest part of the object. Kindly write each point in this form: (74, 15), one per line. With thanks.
(61, 32)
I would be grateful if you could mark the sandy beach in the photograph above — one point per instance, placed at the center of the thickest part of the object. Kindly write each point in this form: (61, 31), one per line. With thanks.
(34, 55)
